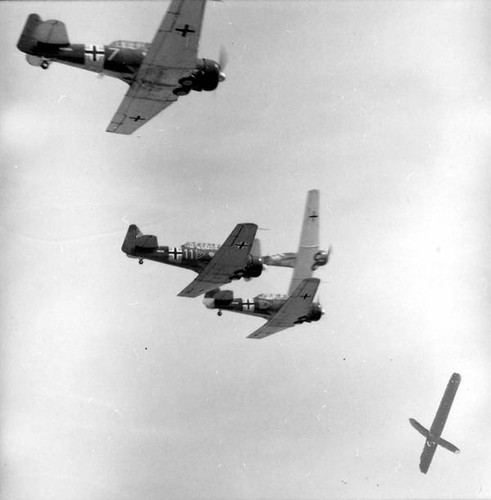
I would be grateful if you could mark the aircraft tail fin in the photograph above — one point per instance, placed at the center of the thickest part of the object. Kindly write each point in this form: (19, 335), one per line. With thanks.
(136, 240)
(422, 430)
(37, 33)
(447, 445)
(129, 243)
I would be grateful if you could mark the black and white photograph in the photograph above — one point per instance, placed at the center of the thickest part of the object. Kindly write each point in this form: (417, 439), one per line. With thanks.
(245, 249)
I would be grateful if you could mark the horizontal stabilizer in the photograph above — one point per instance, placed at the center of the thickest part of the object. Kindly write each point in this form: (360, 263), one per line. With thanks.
(448, 446)
(147, 241)
(422, 430)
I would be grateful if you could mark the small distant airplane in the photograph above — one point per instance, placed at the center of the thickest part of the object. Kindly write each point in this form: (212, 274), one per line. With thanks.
(433, 436)
(298, 306)
(238, 257)
(158, 72)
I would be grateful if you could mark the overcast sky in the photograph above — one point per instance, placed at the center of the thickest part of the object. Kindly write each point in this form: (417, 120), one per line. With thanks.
(115, 388)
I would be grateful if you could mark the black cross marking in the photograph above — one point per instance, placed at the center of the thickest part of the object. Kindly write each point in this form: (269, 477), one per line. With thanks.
(241, 245)
(94, 52)
(313, 216)
(248, 304)
(305, 296)
(175, 253)
(137, 118)
(185, 30)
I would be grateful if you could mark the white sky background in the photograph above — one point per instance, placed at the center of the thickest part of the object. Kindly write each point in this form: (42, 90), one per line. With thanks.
(114, 388)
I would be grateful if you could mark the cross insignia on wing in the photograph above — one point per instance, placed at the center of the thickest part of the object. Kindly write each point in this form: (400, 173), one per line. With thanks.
(185, 30)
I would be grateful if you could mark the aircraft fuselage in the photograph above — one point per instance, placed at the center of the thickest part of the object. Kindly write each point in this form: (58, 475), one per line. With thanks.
(122, 60)
(264, 306)
(114, 60)
(190, 256)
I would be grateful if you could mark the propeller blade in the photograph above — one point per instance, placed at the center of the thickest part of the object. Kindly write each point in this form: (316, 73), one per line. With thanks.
(223, 58)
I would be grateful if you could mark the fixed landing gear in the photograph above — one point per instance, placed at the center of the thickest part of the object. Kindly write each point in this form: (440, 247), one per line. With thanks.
(219, 313)
(180, 91)
(45, 64)
(140, 262)
(187, 82)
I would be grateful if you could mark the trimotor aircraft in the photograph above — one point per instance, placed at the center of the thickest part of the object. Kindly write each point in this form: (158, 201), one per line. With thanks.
(158, 72)
(238, 257)
(298, 306)
(433, 436)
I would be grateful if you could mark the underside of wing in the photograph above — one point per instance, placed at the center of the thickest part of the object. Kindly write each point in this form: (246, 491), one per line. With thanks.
(171, 56)
(139, 105)
(297, 306)
(231, 257)
(175, 44)
(266, 330)
(309, 241)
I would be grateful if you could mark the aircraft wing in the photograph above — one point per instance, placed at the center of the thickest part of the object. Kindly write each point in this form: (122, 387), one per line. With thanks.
(231, 257)
(309, 241)
(427, 456)
(445, 405)
(171, 56)
(296, 306)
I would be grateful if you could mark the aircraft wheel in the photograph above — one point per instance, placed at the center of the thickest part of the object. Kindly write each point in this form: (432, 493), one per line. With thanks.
(180, 91)
(140, 262)
(219, 313)
(45, 65)
(186, 82)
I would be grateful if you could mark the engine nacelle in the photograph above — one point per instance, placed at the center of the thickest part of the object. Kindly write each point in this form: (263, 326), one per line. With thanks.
(208, 75)
(316, 312)
(254, 267)
(321, 258)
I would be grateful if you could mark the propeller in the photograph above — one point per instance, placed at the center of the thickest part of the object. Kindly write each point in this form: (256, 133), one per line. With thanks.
(329, 250)
(222, 62)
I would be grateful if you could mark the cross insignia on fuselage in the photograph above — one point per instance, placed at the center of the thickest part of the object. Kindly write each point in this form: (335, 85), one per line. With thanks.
(94, 52)
(184, 31)
(241, 245)
(247, 304)
(305, 296)
(137, 118)
(175, 253)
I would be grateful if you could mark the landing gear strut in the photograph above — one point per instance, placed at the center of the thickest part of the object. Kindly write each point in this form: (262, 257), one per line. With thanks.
(180, 91)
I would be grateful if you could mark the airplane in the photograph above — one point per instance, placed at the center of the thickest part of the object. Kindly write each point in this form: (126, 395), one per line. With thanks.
(216, 265)
(298, 306)
(433, 436)
(157, 73)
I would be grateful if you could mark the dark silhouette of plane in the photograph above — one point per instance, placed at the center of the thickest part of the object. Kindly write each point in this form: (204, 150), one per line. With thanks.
(433, 436)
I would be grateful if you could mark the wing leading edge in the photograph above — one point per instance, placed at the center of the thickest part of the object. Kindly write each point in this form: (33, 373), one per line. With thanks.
(296, 306)
(231, 257)
(171, 56)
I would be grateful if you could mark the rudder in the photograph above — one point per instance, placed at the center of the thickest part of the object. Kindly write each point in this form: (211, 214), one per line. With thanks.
(129, 242)
(36, 31)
